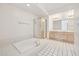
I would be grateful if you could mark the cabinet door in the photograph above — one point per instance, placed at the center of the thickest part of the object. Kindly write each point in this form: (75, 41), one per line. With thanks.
(58, 35)
(65, 34)
(51, 35)
(62, 36)
(70, 37)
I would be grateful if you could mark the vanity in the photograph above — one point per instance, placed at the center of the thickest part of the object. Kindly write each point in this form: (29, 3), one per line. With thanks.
(62, 36)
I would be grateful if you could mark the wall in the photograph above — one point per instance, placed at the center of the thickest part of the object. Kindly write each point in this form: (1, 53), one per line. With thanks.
(15, 24)
(77, 27)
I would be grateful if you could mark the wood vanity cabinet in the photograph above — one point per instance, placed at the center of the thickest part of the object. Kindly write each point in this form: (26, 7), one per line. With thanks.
(62, 36)
(51, 35)
(70, 37)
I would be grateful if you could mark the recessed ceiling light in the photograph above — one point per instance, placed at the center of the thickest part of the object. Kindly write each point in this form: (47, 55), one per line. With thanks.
(28, 5)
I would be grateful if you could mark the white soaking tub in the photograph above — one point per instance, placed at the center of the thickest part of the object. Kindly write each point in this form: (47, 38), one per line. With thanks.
(30, 46)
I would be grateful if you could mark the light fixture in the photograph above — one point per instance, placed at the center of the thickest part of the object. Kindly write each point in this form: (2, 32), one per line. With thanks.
(43, 20)
(27, 5)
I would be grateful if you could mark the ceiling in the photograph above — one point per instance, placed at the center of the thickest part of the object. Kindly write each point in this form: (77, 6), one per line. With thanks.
(45, 9)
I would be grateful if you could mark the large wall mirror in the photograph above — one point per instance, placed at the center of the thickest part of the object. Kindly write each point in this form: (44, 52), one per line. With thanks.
(60, 25)
(57, 25)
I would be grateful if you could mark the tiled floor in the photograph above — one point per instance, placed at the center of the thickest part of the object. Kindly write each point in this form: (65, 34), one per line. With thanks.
(56, 48)
(52, 48)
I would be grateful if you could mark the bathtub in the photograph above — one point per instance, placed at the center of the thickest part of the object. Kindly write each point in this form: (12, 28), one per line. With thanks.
(30, 46)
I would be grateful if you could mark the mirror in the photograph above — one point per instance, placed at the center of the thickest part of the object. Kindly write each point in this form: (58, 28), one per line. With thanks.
(57, 25)
(60, 25)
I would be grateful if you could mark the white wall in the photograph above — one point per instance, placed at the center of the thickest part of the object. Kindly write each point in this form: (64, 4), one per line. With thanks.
(10, 27)
(77, 27)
